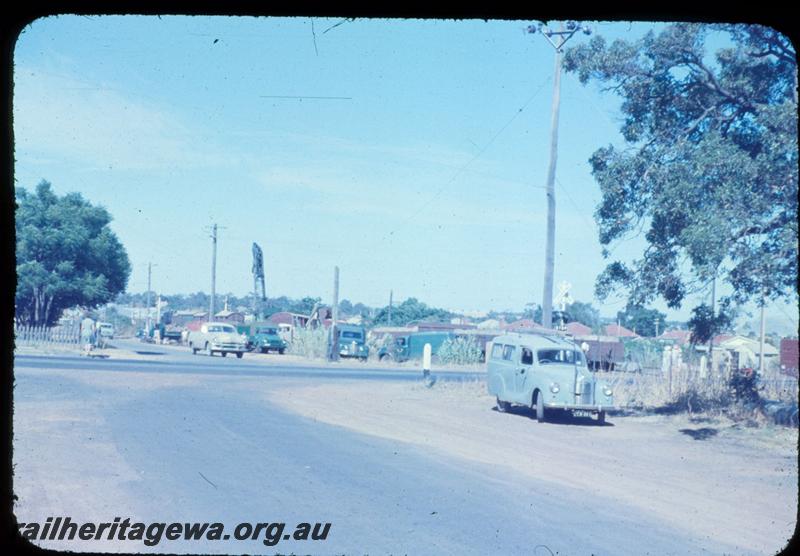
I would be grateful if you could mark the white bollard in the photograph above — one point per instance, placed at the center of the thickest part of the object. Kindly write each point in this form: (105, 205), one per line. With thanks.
(426, 366)
(426, 360)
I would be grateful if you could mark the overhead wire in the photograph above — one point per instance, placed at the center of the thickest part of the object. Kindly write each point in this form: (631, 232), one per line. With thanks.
(461, 169)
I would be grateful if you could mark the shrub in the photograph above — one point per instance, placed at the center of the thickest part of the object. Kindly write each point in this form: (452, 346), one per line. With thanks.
(309, 342)
(460, 351)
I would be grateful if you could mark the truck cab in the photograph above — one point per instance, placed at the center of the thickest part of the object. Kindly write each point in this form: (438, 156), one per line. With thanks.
(545, 373)
(352, 341)
(412, 345)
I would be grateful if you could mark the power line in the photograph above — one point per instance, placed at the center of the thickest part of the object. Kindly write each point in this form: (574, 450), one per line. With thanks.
(575, 206)
(460, 170)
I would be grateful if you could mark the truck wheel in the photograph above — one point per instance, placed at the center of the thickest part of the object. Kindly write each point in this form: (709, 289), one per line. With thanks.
(239, 354)
(601, 417)
(194, 349)
(207, 350)
(502, 406)
(282, 351)
(224, 354)
(539, 407)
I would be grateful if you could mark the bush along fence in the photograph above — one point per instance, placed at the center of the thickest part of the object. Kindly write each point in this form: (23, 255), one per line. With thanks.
(42, 336)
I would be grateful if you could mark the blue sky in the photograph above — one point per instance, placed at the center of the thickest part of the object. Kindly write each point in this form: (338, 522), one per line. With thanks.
(422, 175)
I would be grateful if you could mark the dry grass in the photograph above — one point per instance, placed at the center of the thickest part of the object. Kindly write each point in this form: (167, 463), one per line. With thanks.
(688, 391)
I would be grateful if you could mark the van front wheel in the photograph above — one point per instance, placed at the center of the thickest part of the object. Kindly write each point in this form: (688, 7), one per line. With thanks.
(502, 406)
(539, 407)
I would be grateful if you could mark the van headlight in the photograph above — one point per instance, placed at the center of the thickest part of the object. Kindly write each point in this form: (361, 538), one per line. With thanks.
(607, 391)
(554, 388)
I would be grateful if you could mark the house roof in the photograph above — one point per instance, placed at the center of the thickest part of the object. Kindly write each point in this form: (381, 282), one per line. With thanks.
(679, 336)
(578, 329)
(619, 331)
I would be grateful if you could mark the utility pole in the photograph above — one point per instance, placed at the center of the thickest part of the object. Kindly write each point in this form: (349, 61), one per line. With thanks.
(713, 316)
(213, 272)
(656, 327)
(763, 334)
(390, 308)
(334, 353)
(147, 311)
(557, 40)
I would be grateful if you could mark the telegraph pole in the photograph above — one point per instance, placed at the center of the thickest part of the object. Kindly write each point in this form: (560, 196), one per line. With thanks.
(390, 308)
(334, 353)
(213, 272)
(147, 313)
(763, 334)
(714, 317)
(557, 40)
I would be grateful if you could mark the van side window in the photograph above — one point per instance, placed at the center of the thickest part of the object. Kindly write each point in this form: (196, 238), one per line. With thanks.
(508, 352)
(527, 356)
(497, 351)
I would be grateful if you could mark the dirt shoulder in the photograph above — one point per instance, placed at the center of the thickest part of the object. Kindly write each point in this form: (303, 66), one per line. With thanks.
(706, 476)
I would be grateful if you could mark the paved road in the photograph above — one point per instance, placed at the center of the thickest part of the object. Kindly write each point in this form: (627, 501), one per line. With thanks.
(176, 442)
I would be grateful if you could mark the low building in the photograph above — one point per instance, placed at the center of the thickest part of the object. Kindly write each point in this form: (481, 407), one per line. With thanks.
(233, 317)
(577, 329)
(789, 356)
(619, 331)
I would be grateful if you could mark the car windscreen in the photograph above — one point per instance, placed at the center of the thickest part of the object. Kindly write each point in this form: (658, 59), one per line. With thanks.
(228, 329)
(351, 335)
(272, 331)
(569, 356)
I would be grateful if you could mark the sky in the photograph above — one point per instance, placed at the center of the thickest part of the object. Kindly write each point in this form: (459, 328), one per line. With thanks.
(412, 154)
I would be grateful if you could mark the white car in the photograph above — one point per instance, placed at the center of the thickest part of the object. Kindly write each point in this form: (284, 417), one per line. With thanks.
(219, 337)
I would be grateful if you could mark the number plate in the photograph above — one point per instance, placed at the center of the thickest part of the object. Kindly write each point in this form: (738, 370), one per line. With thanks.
(581, 413)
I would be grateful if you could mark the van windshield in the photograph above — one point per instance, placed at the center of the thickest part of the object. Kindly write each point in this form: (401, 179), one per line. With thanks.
(569, 356)
(350, 334)
(266, 331)
(221, 328)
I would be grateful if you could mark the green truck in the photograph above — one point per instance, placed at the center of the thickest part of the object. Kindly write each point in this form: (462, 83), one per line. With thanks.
(263, 337)
(352, 341)
(411, 346)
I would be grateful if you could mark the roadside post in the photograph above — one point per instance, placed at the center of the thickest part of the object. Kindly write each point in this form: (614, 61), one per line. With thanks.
(426, 366)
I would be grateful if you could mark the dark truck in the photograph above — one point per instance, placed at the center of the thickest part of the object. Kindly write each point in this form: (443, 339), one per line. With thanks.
(352, 341)
(263, 337)
(411, 346)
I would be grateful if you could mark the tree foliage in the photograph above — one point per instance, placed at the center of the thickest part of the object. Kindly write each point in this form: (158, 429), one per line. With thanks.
(410, 310)
(704, 324)
(710, 166)
(585, 313)
(66, 255)
(641, 319)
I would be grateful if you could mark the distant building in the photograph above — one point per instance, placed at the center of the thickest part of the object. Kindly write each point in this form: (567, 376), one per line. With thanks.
(522, 325)
(578, 329)
(789, 356)
(619, 331)
(676, 337)
(229, 316)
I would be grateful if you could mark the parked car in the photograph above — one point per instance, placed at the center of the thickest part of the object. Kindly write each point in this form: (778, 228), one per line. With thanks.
(217, 337)
(352, 341)
(263, 337)
(545, 373)
(412, 345)
(105, 330)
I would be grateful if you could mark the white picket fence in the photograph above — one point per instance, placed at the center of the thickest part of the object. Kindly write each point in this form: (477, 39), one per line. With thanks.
(47, 336)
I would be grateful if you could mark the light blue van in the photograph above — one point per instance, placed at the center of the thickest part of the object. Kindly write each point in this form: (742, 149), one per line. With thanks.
(544, 373)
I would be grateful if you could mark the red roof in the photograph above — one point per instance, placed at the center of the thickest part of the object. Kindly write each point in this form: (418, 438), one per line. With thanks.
(523, 323)
(681, 337)
(578, 329)
(619, 331)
